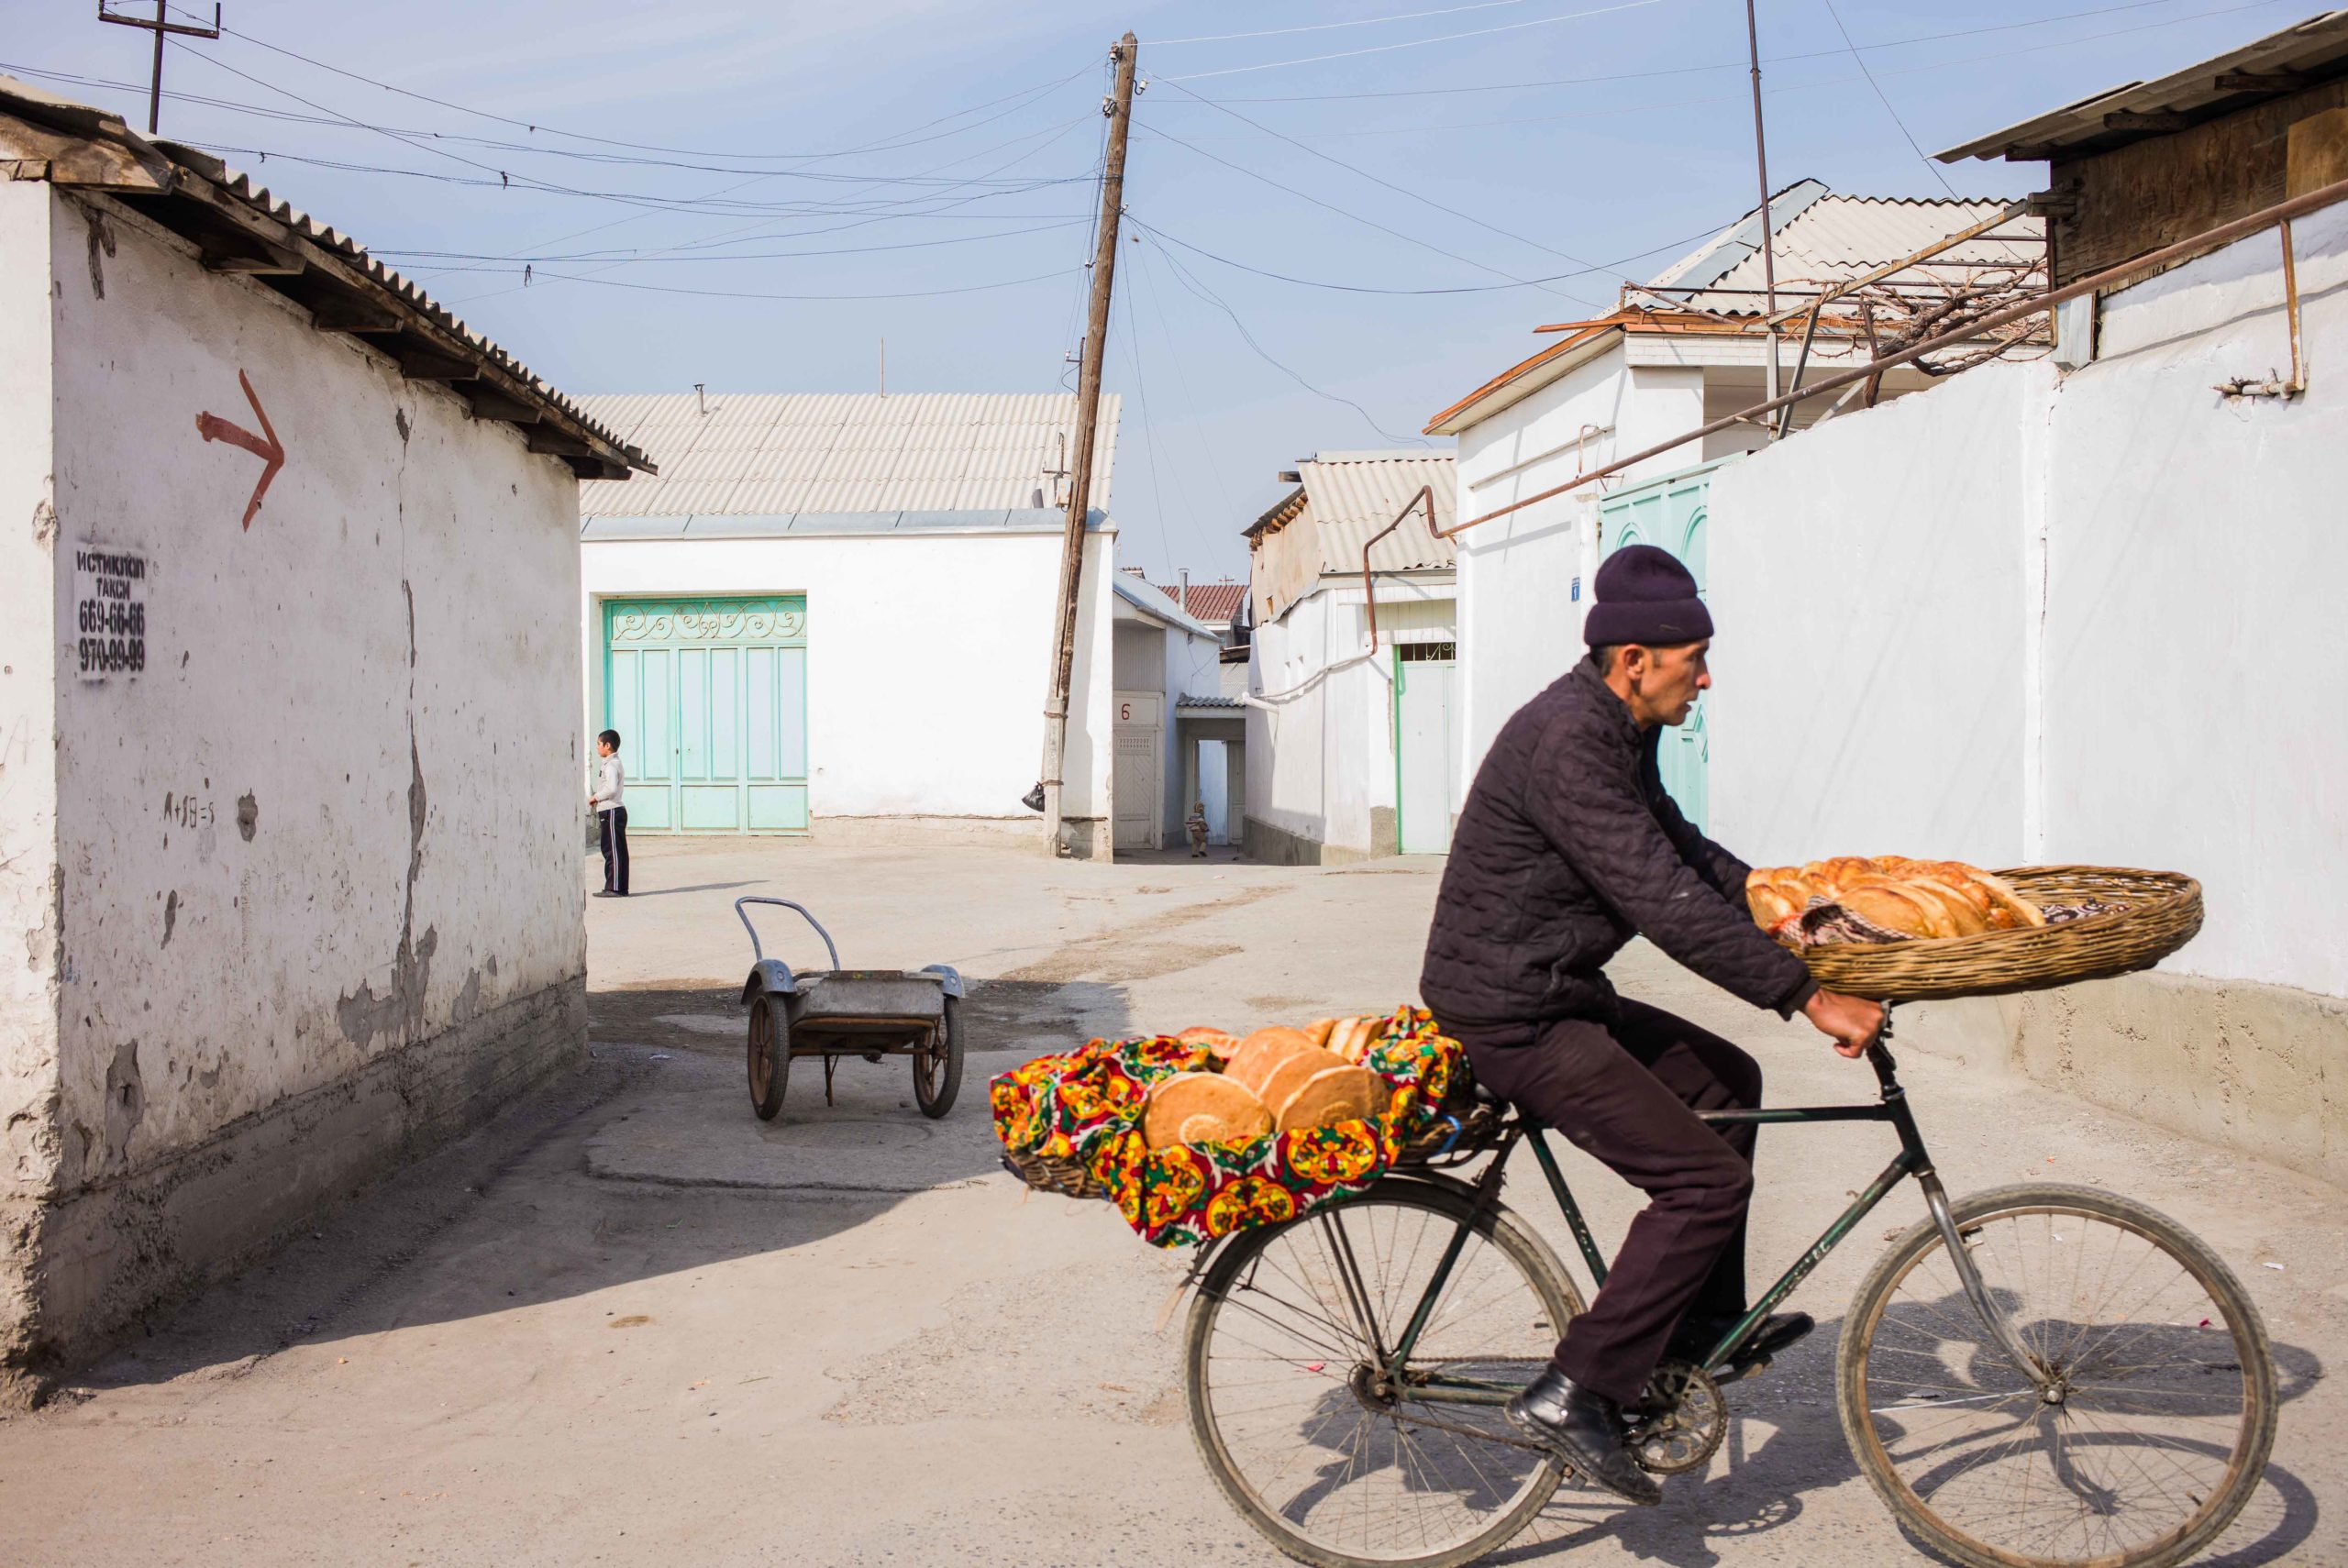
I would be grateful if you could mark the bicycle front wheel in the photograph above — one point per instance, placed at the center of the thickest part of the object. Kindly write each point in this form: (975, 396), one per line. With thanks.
(2149, 1432)
(1336, 1462)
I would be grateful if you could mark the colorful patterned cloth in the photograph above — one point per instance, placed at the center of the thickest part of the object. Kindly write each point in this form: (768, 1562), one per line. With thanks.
(1086, 1105)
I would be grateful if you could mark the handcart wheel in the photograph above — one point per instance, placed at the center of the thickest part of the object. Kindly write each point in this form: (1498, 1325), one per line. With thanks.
(938, 1071)
(770, 1055)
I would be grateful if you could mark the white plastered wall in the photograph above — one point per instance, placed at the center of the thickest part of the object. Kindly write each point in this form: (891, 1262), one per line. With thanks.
(1320, 762)
(29, 1148)
(340, 812)
(2019, 618)
(1520, 626)
(927, 658)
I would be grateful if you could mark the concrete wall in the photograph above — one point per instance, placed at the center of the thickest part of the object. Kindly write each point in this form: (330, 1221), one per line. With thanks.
(927, 659)
(1319, 754)
(1520, 627)
(2027, 618)
(318, 864)
(29, 873)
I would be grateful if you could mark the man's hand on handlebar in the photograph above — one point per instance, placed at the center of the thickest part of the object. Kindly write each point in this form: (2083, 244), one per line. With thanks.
(1852, 1023)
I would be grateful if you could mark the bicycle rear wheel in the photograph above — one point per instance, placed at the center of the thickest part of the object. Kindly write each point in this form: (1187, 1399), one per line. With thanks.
(1297, 1422)
(2150, 1438)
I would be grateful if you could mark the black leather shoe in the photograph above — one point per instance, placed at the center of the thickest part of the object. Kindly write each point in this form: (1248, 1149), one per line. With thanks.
(1585, 1429)
(1695, 1337)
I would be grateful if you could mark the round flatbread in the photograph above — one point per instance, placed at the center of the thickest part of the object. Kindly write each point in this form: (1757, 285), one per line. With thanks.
(1202, 1107)
(1318, 1031)
(1261, 1052)
(1968, 920)
(1297, 1070)
(1333, 1095)
(1216, 1040)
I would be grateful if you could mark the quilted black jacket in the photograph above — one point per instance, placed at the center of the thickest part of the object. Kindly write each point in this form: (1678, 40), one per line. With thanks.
(1568, 848)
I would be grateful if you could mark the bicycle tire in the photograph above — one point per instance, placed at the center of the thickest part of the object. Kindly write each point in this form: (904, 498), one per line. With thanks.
(1534, 1264)
(2253, 1353)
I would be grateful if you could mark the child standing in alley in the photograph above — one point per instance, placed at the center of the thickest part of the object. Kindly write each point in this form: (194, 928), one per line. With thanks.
(1197, 825)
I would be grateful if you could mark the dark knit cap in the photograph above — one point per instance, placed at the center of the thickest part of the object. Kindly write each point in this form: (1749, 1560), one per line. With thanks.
(1645, 596)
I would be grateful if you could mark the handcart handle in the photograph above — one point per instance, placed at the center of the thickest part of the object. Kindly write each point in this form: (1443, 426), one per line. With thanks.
(758, 954)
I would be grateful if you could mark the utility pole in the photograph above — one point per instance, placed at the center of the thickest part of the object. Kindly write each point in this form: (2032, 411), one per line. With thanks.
(160, 26)
(1768, 231)
(1045, 797)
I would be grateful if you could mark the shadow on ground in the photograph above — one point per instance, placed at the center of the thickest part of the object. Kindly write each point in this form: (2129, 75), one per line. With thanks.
(647, 1162)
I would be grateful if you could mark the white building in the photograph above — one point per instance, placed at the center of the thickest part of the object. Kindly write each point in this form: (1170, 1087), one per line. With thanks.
(1352, 730)
(834, 615)
(2083, 609)
(1179, 737)
(1681, 352)
(291, 782)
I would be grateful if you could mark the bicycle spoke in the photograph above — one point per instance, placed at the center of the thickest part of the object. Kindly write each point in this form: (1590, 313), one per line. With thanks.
(2135, 1438)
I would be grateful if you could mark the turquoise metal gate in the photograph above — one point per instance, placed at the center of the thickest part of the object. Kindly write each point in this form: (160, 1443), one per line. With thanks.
(710, 698)
(1671, 511)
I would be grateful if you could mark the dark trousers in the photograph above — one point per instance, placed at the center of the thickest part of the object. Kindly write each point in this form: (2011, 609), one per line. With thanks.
(1627, 1095)
(614, 825)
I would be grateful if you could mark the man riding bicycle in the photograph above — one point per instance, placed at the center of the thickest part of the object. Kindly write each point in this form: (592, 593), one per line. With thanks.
(1568, 848)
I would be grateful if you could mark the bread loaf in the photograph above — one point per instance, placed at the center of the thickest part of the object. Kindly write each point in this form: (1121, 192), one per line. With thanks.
(1330, 1096)
(1319, 1030)
(1261, 1052)
(1202, 1107)
(1888, 907)
(1216, 1040)
(1296, 1071)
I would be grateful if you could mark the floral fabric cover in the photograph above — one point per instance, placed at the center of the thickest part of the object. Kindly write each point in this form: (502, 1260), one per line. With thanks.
(1086, 1105)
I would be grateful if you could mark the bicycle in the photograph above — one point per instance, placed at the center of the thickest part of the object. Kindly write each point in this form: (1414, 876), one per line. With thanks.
(1344, 1370)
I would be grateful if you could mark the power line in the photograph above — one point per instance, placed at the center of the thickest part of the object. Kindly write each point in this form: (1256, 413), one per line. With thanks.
(1356, 217)
(1414, 43)
(1182, 275)
(739, 256)
(758, 294)
(1182, 377)
(1861, 60)
(1389, 184)
(610, 141)
(1520, 121)
(1327, 27)
(1161, 235)
(1739, 64)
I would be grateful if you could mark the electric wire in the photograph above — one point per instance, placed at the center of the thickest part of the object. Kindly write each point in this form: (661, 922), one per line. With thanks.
(1146, 277)
(1860, 61)
(1414, 43)
(1161, 234)
(1388, 184)
(1356, 217)
(613, 142)
(1330, 26)
(1182, 275)
(1734, 64)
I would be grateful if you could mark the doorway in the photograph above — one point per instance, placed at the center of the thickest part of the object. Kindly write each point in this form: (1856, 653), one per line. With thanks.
(1426, 745)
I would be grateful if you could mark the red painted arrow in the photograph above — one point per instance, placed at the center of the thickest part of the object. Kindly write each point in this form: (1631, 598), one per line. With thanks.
(265, 446)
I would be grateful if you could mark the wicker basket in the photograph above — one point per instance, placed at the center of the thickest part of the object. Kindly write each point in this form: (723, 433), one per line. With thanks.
(1067, 1178)
(2164, 910)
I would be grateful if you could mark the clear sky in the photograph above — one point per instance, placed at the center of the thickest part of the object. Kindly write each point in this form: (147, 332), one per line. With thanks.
(702, 189)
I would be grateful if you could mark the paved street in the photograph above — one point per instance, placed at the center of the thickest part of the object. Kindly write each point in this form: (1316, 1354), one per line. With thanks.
(629, 1323)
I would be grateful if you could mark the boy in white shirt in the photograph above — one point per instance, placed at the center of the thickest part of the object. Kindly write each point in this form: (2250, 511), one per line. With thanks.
(611, 780)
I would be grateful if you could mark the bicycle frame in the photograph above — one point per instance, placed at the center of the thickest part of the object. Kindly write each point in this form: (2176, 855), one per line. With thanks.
(1913, 1159)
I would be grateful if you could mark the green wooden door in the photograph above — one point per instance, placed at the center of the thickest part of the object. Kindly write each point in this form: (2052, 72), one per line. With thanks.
(710, 698)
(1671, 511)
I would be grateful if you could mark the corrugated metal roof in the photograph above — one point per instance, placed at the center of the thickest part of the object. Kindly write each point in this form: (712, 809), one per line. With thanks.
(1213, 603)
(2316, 48)
(168, 187)
(1836, 239)
(766, 454)
(1349, 496)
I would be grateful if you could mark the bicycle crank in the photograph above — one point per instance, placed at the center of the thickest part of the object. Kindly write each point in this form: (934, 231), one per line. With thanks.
(1680, 1422)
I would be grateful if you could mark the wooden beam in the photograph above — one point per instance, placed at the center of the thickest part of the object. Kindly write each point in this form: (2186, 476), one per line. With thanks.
(254, 258)
(488, 402)
(2266, 82)
(351, 316)
(2147, 120)
(548, 438)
